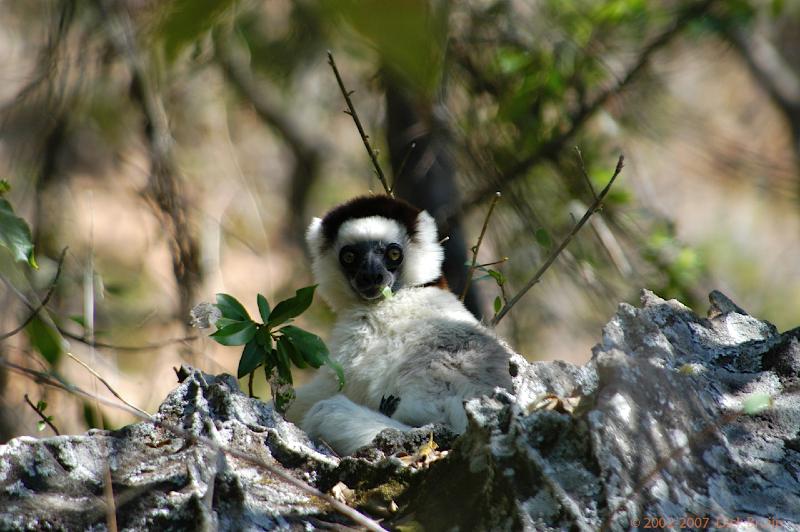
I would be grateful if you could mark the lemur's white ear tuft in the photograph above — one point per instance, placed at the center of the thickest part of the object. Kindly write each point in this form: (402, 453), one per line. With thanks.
(314, 237)
(424, 254)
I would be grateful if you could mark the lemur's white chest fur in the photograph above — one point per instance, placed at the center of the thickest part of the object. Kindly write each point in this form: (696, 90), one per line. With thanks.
(421, 347)
(390, 347)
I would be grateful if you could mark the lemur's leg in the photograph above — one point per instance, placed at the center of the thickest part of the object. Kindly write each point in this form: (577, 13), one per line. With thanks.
(322, 386)
(345, 425)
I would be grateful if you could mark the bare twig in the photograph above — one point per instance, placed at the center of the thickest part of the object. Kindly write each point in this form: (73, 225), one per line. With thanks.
(485, 264)
(250, 383)
(143, 347)
(595, 206)
(477, 247)
(402, 167)
(364, 137)
(45, 418)
(274, 469)
(105, 383)
(44, 302)
(585, 173)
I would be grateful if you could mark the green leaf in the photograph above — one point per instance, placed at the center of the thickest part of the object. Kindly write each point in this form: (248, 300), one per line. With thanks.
(312, 349)
(79, 319)
(16, 235)
(292, 307)
(186, 21)
(286, 345)
(41, 406)
(263, 338)
(224, 322)
(41, 425)
(231, 308)
(263, 308)
(543, 238)
(387, 292)
(498, 304)
(252, 357)
(238, 333)
(756, 403)
(283, 365)
(4, 186)
(499, 278)
(45, 340)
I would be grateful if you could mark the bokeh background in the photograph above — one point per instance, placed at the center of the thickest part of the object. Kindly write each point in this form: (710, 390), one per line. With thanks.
(179, 148)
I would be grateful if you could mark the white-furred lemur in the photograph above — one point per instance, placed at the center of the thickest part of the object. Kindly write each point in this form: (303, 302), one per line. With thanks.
(410, 359)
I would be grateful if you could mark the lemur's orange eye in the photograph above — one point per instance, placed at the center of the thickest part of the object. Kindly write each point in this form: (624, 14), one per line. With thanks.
(394, 254)
(348, 257)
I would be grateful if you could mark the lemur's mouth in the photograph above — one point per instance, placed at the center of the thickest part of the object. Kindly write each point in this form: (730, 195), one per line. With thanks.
(370, 292)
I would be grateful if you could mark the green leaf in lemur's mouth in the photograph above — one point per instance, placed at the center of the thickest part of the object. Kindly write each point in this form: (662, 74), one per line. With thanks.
(387, 292)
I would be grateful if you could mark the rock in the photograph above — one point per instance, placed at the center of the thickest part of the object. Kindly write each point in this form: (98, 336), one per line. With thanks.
(657, 430)
(659, 438)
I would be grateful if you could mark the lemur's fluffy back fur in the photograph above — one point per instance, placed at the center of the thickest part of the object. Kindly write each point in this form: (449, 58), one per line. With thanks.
(421, 345)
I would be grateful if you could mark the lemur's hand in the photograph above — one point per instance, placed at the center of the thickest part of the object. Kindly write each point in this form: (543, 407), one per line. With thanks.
(389, 405)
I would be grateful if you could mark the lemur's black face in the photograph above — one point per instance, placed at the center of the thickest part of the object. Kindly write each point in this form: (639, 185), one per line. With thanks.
(371, 266)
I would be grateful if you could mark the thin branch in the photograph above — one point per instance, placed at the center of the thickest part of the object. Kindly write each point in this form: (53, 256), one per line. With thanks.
(364, 137)
(595, 206)
(143, 347)
(45, 418)
(584, 172)
(50, 380)
(105, 383)
(402, 167)
(549, 149)
(477, 247)
(44, 302)
(485, 264)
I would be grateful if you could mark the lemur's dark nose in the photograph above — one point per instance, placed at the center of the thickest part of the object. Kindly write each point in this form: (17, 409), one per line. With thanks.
(367, 277)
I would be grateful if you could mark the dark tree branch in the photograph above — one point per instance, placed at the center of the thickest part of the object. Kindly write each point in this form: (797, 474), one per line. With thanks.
(557, 251)
(769, 68)
(364, 137)
(549, 149)
(163, 190)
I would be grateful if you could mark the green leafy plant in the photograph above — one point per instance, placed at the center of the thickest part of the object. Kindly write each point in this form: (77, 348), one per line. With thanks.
(15, 235)
(42, 424)
(274, 343)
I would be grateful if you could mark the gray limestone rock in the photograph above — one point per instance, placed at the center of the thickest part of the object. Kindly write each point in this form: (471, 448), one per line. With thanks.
(678, 421)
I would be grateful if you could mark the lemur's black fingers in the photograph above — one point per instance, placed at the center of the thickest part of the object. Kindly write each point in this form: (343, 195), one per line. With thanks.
(389, 405)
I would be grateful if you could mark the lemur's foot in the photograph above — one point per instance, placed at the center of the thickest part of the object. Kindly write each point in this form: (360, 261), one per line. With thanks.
(389, 405)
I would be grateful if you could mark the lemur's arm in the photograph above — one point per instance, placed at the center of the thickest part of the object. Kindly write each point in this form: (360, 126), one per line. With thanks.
(322, 386)
(345, 425)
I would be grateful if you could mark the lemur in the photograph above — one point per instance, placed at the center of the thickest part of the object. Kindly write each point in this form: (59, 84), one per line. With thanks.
(410, 357)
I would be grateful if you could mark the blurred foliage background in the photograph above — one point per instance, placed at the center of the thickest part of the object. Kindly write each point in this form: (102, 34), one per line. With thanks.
(179, 148)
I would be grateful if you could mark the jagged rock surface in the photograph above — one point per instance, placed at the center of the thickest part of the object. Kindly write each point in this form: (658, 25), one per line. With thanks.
(650, 431)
